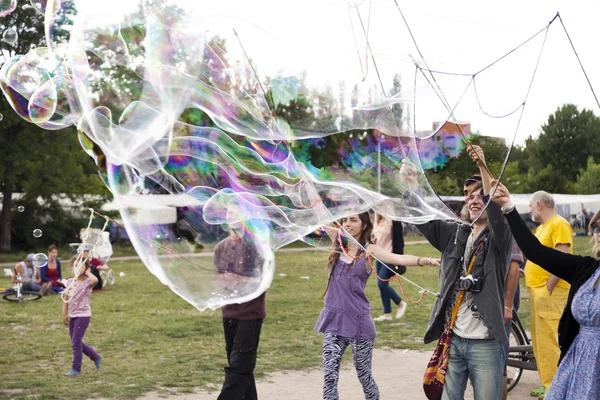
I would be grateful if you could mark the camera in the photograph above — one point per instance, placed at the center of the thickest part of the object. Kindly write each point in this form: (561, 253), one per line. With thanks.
(470, 284)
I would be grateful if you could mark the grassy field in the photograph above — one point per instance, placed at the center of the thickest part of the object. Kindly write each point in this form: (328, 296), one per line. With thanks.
(151, 340)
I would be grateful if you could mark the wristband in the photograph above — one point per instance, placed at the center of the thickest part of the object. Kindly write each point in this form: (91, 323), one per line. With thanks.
(508, 208)
(430, 264)
(509, 309)
(419, 262)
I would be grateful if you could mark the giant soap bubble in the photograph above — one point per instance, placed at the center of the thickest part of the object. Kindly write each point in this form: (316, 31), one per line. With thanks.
(205, 116)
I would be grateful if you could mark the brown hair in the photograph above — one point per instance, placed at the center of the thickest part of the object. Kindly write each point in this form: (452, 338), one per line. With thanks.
(365, 238)
(52, 247)
(85, 262)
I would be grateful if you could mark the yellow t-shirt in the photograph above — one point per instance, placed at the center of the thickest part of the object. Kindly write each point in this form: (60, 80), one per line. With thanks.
(556, 230)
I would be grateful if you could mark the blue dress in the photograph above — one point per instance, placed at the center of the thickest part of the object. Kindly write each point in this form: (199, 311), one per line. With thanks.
(578, 375)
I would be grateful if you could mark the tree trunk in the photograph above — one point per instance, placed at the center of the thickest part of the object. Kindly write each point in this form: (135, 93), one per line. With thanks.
(5, 226)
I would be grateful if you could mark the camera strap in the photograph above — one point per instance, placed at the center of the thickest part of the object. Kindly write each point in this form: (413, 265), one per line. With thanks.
(461, 293)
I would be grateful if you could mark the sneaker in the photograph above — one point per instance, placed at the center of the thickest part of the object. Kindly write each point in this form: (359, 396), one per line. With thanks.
(401, 309)
(46, 287)
(384, 317)
(538, 392)
(97, 362)
(72, 372)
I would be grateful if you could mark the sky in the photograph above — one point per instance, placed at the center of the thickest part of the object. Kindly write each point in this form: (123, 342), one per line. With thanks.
(326, 40)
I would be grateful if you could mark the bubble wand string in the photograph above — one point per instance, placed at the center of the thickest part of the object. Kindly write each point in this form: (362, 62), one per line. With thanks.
(423, 290)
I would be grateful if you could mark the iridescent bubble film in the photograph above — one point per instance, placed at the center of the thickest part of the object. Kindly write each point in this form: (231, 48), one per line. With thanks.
(37, 233)
(205, 118)
(40, 260)
(7, 7)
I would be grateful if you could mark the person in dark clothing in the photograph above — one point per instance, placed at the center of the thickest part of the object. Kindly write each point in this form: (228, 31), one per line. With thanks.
(579, 326)
(238, 262)
(478, 337)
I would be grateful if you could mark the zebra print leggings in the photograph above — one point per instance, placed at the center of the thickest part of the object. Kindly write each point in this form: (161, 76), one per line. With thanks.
(333, 350)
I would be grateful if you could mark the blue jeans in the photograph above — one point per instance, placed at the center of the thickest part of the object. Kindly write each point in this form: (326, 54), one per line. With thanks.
(31, 286)
(387, 293)
(480, 360)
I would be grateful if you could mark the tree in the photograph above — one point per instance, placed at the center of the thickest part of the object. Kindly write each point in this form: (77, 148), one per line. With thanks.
(39, 163)
(588, 181)
(567, 139)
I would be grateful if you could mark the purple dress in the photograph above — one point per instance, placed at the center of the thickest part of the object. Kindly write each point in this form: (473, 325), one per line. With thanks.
(577, 375)
(347, 311)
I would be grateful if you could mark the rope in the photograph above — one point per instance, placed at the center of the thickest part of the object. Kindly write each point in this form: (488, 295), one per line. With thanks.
(423, 291)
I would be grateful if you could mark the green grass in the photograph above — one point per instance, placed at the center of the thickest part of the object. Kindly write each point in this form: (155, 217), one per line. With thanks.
(151, 340)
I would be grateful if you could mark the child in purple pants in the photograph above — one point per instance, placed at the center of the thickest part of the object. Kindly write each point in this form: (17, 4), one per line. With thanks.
(76, 313)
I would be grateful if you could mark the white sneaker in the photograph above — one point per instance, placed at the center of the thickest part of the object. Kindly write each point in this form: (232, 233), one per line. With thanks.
(384, 317)
(401, 309)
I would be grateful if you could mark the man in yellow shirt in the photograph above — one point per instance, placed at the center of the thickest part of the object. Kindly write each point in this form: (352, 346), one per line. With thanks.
(548, 294)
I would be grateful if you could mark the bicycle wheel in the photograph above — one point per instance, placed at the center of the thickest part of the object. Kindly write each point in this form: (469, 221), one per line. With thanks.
(513, 374)
(110, 276)
(25, 296)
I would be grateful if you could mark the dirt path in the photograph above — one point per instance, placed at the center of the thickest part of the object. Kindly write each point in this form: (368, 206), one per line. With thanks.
(398, 374)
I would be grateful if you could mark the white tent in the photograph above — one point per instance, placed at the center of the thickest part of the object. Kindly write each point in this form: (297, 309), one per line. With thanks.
(566, 204)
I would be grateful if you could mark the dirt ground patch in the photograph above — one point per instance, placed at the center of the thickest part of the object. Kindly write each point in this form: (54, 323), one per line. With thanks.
(398, 374)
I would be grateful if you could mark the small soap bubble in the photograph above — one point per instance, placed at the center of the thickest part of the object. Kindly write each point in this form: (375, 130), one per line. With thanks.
(37, 233)
(20, 208)
(121, 274)
(1, 117)
(10, 36)
(40, 260)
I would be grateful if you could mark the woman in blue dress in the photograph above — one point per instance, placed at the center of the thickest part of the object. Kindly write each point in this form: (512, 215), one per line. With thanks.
(579, 327)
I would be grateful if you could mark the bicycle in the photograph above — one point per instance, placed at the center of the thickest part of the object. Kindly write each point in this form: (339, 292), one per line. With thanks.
(17, 295)
(520, 353)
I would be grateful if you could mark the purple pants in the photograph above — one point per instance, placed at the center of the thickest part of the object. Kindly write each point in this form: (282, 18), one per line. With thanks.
(77, 328)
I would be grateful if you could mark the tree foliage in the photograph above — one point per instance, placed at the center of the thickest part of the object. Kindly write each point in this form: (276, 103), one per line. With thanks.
(588, 181)
(38, 163)
(566, 141)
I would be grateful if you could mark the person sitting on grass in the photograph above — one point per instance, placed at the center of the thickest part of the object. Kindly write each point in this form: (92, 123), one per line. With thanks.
(346, 316)
(30, 276)
(52, 271)
(76, 314)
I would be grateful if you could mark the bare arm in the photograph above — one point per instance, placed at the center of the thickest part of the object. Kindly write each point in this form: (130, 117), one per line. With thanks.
(512, 280)
(477, 155)
(91, 278)
(553, 280)
(401, 259)
(65, 313)
(18, 270)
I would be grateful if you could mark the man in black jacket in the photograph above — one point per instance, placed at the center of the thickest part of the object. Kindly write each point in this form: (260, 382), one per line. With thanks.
(477, 350)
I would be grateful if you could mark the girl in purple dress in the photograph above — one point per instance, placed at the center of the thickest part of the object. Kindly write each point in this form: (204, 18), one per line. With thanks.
(346, 317)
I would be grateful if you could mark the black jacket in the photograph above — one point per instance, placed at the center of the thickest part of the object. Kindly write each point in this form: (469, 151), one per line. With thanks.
(491, 262)
(576, 270)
